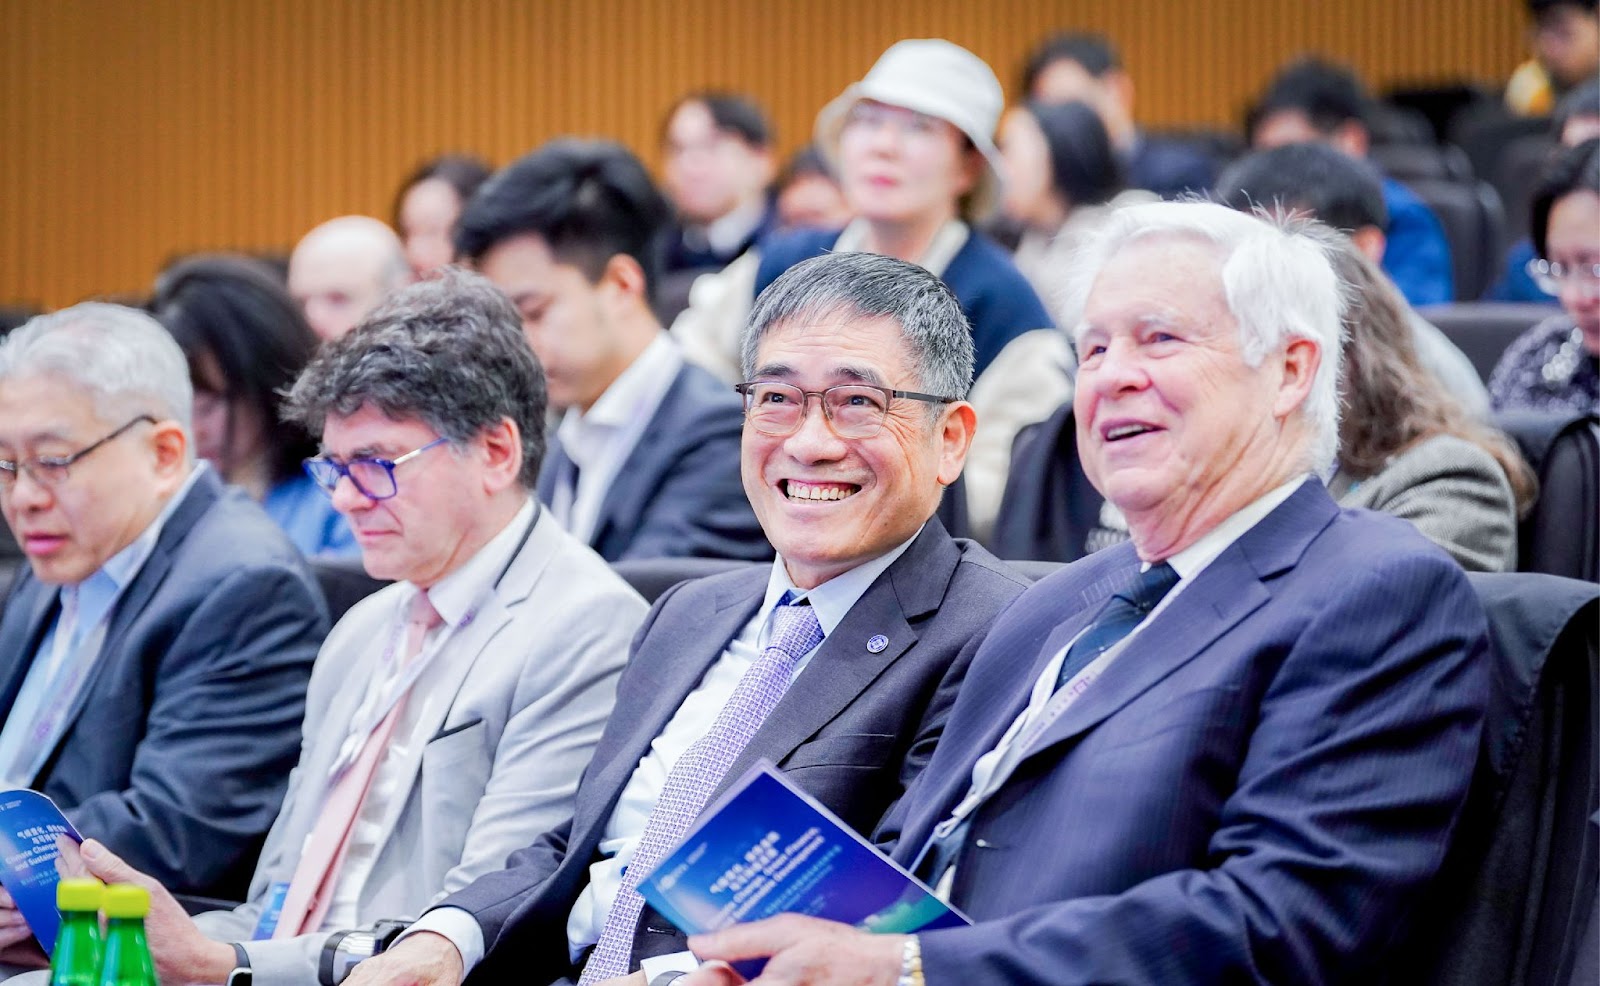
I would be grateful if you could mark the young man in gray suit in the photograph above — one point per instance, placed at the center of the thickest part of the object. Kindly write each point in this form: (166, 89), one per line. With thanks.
(645, 459)
(154, 655)
(838, 662)
(451, 714)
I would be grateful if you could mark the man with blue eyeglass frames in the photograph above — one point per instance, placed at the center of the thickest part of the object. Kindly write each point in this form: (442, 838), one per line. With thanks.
(451, 714)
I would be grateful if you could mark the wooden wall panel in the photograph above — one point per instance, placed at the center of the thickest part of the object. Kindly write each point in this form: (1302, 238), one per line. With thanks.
(135, 130)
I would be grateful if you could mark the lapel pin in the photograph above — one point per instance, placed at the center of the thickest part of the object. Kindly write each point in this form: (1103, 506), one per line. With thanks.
(877, 643)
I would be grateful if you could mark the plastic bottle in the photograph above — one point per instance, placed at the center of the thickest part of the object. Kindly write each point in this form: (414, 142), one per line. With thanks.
(127, 952)
(76, 961)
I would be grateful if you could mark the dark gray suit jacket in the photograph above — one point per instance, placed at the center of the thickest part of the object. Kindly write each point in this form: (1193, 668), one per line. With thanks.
(853, 730)
(679, 493)
(180, 744)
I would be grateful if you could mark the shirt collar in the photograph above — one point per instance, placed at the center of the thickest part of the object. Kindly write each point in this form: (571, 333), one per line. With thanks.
(642, 385)
(1192, 560)
(834, 598)
(727, 233)
(455, 595)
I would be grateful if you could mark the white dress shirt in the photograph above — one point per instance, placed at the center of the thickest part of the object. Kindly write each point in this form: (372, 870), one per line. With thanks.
(727, 232)
(456, 598)
(599, 441)
(832, 601)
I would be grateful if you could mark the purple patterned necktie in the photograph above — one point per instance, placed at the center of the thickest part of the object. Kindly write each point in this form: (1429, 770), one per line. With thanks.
(795, 632)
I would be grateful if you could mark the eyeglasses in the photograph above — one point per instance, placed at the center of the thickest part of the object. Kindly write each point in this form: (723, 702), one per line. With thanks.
(870, 117)
(372, 477)
(852, 410)
(52, 470)
(1550, 275)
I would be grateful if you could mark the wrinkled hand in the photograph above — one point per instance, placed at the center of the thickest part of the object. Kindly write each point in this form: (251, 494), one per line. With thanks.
(182, 952)
(804, 952)
(422, 959)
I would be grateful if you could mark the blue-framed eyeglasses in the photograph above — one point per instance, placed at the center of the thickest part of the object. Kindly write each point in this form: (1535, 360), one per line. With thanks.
(372, 477)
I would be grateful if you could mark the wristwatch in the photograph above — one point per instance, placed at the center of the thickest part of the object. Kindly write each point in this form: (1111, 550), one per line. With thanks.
(911, 963)
(241, 974)
(668, 978)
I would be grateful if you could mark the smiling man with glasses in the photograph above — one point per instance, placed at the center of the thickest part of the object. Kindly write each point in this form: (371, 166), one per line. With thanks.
(154, 656)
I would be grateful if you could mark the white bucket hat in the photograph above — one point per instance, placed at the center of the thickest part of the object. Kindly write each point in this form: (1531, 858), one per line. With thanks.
(939, 79)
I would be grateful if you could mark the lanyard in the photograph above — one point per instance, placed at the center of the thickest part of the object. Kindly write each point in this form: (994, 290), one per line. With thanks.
(383, 695)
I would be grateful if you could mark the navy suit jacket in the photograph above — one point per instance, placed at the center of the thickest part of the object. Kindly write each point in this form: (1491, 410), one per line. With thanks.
(1255, 791)
(678, 494)
(853, 730)
(180, 744)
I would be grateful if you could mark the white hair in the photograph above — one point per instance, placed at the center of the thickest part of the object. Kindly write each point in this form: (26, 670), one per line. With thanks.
(1277, 279)
(127, 363)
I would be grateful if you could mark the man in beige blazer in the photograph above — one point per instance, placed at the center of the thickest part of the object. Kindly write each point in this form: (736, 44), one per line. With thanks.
(423, 765)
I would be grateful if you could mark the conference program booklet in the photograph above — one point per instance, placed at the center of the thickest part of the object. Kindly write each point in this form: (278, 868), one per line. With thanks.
(767, 848)
(29, 825)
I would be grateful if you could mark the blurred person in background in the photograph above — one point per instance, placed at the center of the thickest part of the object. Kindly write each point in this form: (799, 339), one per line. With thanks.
(809, 196)
(246, 342)
(429, 203)
(1565, 36)
(717, 149)
(1555, 366)
(342, 269)
(1408, 449)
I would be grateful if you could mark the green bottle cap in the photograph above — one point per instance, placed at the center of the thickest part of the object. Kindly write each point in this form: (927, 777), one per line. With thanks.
(124, 900)
(79, 894)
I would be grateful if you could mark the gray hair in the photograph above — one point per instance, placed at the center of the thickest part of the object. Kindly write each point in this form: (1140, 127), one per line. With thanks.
(123, 358)
(937, 336)
(448, 351)
(1277, 278)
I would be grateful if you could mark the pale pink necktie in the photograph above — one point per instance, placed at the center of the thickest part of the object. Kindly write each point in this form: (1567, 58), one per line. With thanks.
(311, 890)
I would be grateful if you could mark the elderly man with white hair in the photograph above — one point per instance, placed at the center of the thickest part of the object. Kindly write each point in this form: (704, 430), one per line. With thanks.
(154, 655)
(1232, 750)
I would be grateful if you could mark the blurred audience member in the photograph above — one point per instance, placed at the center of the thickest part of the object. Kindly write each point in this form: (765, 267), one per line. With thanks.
(342, 269)
(1566, 52)
(246, 342)
(1575, 120)
(421, 769)
(1316, 101)
(718, 166)
(155, 653)
(645, 461)
(1086, 68)
(912, 145)
(1062, 179)
(1347, 194)
(1406, 447)
(427, 206)
(1553, 366)
(809, 196)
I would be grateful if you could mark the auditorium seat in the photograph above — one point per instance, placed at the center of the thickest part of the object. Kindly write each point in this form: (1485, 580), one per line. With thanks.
(1484, 132)
(1049, 508)
(650, 577)
(344, 583)
(1561, 534)
(1516, 169)
(1410, 161)
(1483, 329)
(1474, 223)
(1513, 901)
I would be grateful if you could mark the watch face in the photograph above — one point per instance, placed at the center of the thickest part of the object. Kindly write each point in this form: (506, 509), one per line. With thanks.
(239, 977)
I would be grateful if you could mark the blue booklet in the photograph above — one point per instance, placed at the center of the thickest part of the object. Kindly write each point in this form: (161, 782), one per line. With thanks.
(29, 825)
(768, 848)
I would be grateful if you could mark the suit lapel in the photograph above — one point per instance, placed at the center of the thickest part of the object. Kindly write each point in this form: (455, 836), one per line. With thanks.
(35, 606)
(843, 667)
(132, 603)
(1228, 590)
(645, 461)
(701, 646)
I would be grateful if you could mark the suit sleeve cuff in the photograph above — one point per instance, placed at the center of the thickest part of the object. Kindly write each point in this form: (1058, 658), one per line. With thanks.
(675, 962)
(459, 926)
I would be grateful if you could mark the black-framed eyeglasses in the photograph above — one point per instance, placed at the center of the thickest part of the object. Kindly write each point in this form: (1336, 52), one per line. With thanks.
(855, 410)
(53, 470)
(372, 477)
(1550, 275)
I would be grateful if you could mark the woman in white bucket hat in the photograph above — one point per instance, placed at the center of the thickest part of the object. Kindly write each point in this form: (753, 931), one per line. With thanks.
(912, 143)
